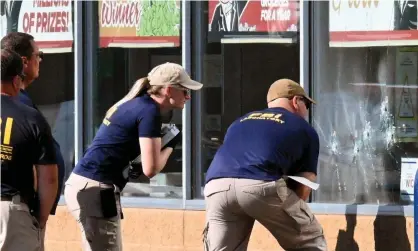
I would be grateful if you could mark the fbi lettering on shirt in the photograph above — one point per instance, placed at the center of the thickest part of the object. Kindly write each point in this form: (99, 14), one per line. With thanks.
(264, 116)
(6, 134)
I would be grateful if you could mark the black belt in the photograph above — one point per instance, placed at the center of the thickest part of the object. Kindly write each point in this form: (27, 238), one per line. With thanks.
(10, 198)
(6, 198)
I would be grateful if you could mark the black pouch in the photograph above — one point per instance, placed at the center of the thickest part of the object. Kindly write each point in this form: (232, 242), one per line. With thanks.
(108, 202)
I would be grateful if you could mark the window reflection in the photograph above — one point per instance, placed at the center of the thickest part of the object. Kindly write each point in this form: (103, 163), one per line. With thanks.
(119, 68)
(364, 124)
(57, 104)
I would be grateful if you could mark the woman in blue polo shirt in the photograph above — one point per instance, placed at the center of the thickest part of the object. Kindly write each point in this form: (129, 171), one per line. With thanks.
(92, 191)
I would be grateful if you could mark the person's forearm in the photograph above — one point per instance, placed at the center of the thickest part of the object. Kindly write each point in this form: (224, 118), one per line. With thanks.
(303, 192)
(164, 155)
(47, 192)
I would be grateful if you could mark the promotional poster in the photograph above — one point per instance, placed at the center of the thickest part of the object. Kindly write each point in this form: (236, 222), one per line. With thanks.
(140, 23)
(49, 22)
(232, 18)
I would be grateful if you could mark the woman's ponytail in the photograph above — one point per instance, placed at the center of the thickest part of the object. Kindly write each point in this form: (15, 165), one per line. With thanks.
(140, 87)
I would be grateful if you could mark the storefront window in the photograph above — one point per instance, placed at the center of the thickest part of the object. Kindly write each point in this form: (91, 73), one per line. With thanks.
(243, 53)
(53, 91)
(57, 104)
(130, 46)
(365, 82)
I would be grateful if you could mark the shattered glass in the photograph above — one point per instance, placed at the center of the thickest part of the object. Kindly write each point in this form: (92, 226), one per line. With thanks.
(360, 154)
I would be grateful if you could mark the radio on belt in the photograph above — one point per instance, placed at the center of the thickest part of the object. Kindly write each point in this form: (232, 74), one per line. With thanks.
(169, 131)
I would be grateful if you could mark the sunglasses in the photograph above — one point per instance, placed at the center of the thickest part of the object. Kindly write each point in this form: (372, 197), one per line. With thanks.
(186, 91)
(305, 101)
(39, 54)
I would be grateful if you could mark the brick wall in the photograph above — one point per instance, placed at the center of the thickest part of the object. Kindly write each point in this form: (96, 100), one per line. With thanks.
(165, 230)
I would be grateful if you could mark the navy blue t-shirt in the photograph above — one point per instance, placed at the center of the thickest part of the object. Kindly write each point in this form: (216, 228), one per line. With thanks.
(265, 145)
(25, 99)
(26, 140)
(117, 140)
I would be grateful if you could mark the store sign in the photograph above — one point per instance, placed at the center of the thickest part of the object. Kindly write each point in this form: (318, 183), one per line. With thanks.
(49, 22)
(409, 167)
(237, 18)
(358, 23)
(139, 23)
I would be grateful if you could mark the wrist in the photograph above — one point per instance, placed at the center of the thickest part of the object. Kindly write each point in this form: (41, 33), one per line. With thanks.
(42, 221)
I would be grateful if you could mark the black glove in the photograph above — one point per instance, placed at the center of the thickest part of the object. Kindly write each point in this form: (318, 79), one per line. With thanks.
(135, 170)
(172, 143)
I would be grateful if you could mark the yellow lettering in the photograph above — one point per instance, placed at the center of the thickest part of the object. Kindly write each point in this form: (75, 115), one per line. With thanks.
(365, 3)
(336, 5)
(264, 116)
(7, 130)
(267, 115)
(255, 115)
(5, 157)
(368, 3)
(109, 114)
(356, 4)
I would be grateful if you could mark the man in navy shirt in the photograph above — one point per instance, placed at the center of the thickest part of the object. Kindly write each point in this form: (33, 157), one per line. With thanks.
(26, 142)
(247, 179)
(25, 45)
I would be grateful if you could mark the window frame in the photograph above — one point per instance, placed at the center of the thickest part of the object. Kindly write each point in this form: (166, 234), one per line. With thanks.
(309, 20)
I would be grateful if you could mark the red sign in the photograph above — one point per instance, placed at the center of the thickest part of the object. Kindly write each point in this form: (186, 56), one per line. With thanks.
(49, 22)
(253, 16)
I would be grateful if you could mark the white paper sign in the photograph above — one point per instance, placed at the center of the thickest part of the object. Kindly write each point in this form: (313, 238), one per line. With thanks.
(50, 22)
(408, 169)
(305, 182)
(345, 15)
(406, 101)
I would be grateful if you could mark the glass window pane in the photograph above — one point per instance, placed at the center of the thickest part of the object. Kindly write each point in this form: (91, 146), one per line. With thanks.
(119, 68)
(57, 103)
(239, 65)
(366, 115)
(128, 52)
(53, 91)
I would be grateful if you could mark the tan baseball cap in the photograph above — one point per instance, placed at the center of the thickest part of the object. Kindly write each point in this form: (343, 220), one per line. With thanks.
(286, 88)
(172, 74)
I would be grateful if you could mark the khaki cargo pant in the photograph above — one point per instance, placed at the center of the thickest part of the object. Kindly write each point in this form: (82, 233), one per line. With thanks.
(19, 229)
(232, 206)
(82, 197)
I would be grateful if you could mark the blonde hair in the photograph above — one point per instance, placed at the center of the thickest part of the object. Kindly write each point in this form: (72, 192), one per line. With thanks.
(141, 86)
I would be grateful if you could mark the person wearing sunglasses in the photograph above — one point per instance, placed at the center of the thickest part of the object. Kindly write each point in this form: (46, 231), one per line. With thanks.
(132, 126)
(248, 177)
(25, 45)
(26, 146)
